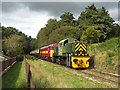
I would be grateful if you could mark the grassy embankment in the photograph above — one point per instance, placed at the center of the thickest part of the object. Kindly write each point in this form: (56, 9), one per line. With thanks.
(105, 55)
(49, 75)
(15, 77)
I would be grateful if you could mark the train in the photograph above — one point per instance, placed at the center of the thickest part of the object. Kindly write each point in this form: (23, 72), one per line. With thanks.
(68, 52)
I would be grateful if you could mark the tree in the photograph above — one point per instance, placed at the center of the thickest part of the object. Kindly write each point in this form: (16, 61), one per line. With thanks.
(10, 32)
(51, 25)
(7, 31)
(115, 32)
(91, 35)
(67, 19)
(15, 45)
(42, 37)
(33, 44)
(97, 18)
(43, 34)
(65, 32)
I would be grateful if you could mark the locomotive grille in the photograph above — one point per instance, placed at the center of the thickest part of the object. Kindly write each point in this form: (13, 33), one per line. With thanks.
(80, 49)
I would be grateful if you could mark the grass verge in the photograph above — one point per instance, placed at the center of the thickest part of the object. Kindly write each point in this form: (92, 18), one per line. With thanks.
(49, 75)
(105, 55)
(15, 77)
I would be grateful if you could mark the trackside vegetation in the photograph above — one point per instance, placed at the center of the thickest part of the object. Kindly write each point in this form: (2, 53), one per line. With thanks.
(105, 55)
(51, 75)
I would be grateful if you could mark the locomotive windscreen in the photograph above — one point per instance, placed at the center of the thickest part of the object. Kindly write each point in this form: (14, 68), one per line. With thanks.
(80, 49)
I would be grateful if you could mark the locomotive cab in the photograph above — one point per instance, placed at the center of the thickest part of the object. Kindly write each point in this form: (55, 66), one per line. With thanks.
(73, 53)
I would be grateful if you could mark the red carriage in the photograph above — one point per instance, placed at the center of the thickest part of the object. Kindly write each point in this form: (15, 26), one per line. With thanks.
(47, 51)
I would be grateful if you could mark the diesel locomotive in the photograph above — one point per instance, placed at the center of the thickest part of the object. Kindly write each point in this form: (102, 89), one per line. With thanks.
(69, 52)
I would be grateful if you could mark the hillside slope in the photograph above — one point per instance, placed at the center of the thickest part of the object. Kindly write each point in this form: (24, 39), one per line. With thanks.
(105, 55)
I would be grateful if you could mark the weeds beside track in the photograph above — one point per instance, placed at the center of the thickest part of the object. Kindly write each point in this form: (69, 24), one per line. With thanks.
(101, 77)
(50, 75)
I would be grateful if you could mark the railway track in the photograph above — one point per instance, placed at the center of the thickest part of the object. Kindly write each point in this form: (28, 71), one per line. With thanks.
(100, 76)
(110, 74)
(95, 75)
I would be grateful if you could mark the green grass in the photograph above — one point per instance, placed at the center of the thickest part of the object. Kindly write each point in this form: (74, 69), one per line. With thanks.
(15, 77)
(105, 55)
(48, 75)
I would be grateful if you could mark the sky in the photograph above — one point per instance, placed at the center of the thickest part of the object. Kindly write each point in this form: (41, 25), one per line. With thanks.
(30, 17)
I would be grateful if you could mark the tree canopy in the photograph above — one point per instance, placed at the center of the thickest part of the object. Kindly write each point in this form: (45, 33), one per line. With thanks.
(97, 18)
(91, 35)
(14, 42)
(93, 25)
(65, 32)
(67, 19)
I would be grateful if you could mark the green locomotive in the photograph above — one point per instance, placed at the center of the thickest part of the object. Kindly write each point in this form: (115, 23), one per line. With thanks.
(71, 52)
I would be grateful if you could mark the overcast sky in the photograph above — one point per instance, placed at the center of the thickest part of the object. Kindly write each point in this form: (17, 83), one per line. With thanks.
(30, 17)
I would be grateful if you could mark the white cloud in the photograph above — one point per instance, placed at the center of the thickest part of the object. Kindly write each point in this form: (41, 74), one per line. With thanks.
(114, 13)
(29, 22)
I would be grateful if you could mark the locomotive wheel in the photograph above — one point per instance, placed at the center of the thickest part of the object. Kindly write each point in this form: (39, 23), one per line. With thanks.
(58, 60)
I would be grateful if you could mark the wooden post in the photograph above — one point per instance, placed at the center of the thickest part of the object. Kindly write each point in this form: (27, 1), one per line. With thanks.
(29, 75)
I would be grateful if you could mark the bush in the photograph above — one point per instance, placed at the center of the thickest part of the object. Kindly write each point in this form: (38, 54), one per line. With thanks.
(110, 54)
(31, 57)
(20, 57)
(106, 55)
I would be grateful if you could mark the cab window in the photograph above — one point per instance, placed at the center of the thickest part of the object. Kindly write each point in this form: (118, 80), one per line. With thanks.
(65, 42)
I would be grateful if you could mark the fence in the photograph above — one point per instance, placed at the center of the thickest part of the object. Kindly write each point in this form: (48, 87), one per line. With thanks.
(5, 65)
(29, 75)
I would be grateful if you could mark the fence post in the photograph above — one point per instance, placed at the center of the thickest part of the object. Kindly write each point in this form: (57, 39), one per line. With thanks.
(29, 75)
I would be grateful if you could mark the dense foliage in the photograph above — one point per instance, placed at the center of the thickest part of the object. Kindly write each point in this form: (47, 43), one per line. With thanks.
(105, 55)
(91, 35)
(16, 43)
(65, 32)
(97, 18)
(93, 26)
(66, 19)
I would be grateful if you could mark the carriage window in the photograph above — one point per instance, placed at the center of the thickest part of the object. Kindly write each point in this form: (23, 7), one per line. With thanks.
(52, 48)
(49, 48)
(65, 42)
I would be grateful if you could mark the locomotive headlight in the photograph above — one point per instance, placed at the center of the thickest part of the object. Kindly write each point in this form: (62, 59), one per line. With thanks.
(75, 60)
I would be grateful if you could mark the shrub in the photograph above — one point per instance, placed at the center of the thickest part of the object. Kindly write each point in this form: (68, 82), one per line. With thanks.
(31, 57)
(110, 54)
(19, 57)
